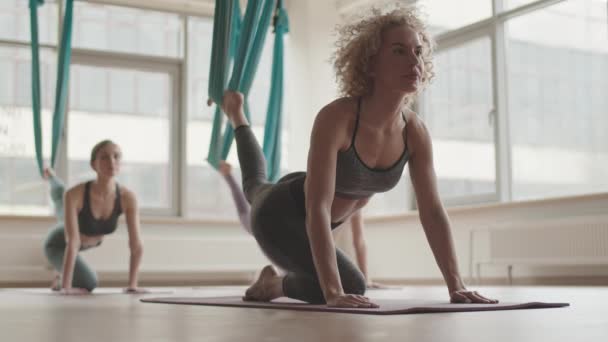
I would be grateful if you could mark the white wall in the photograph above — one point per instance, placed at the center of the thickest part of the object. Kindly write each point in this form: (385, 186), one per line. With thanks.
(174, 251)
(311, 83)
(398, 250)
(185, 251)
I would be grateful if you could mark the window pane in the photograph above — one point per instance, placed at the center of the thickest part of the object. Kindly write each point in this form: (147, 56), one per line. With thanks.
(200, 35)
(449, 15)
(207, 192)
(142, 104)
(260, 90)
(199, 50)
(104, 27)
(15, 21)
(557, 100)
(22, 190)
(208, 195)
(456, 109)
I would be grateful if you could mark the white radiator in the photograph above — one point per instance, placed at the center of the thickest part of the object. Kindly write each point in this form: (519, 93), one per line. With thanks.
(569, 241)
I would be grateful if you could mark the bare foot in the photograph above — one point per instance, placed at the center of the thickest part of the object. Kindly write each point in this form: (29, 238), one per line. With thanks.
(233, 107)
(266, 288)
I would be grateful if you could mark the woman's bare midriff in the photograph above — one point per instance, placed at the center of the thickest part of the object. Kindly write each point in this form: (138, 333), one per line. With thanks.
(90, 240)
(343, 208)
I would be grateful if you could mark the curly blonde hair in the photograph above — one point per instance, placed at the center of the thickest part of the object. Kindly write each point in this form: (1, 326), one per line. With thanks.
(359, 41)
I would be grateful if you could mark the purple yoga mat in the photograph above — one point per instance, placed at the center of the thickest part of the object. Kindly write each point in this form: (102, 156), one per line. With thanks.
(387, 306)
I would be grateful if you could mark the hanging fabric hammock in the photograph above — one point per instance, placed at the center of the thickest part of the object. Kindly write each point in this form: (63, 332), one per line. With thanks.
(246, 59)
(272, 129)
(61, 93)
(63, 75)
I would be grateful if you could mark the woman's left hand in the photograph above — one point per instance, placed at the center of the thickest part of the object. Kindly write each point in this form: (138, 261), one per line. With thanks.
(465, 296)
(135, 290)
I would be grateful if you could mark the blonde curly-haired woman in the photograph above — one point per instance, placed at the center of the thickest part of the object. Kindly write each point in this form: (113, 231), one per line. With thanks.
(360, 144)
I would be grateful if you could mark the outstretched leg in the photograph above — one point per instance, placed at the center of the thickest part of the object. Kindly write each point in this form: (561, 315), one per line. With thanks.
(238, 196)
(251, 158)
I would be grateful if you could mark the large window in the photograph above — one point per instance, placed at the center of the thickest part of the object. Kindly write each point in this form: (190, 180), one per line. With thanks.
(448, 15)
(127, 69)
(458, 110)
(21, 189)
(15, 21)
(132, 107)
(120, 29)
(558, 83)
(520, 112)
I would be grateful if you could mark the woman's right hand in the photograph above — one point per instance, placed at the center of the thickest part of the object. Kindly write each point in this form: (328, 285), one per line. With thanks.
(351, 301)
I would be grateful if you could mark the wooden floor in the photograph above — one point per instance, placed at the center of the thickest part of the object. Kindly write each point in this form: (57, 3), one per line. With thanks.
(32, 316)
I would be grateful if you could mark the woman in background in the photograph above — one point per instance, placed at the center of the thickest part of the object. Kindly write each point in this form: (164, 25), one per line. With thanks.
(86, 213)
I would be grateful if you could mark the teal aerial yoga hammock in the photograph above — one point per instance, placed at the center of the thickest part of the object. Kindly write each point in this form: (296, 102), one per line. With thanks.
(63, 74)
(250, 44)
(226, 27)
(250, 40)
(272, 129)
(225, 34)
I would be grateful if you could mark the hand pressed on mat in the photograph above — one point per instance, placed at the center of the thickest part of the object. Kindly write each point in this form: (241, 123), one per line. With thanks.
(465, 296)
(350, 301)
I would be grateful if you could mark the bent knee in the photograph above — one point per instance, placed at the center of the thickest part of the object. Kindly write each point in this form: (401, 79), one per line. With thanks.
(90, 285)
(356, 284)
(89, 282)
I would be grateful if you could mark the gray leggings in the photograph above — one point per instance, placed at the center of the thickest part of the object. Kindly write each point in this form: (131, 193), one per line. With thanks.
(278, 220)
(54, 249)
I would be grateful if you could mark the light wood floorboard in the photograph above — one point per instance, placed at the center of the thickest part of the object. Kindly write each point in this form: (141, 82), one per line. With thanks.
(31, 316)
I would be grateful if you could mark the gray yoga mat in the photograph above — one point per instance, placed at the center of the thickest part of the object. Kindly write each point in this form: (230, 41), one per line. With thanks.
(387, 306)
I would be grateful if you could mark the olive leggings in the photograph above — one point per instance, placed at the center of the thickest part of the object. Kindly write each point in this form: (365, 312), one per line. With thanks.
(278, 221)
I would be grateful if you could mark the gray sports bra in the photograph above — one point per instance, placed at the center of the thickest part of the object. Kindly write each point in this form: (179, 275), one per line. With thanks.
(356, 180)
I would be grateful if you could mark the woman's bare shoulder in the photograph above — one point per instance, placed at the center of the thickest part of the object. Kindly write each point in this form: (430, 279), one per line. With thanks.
(128, 197)
(338, 119)
(339, 110)
(76, 190)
